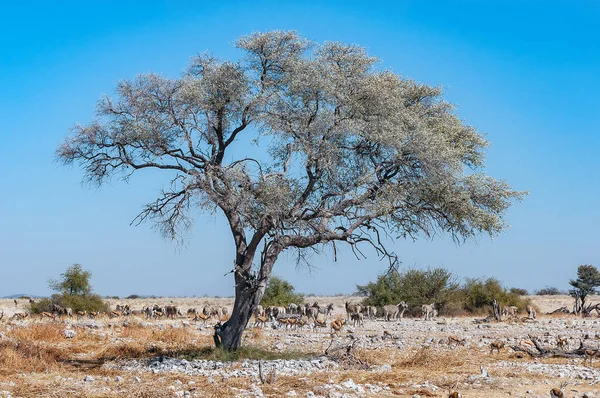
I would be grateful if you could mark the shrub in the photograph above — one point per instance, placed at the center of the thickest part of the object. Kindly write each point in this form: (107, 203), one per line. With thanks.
(89, 302)
(415, 287)
(74, 291)
(280, 293)
(479, 295)
(133, 297)
(549, 291)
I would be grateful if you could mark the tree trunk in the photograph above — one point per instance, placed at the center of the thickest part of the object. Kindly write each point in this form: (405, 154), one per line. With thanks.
(248, 294)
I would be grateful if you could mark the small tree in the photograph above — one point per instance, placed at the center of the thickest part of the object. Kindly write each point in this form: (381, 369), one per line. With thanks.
(281, 293)
(73, 291)
(588, 279)
(74, 281)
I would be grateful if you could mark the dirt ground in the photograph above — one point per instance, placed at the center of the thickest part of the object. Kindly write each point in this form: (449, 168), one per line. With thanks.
(114, 357)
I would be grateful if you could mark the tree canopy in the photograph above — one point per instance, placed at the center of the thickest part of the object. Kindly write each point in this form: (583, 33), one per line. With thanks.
(588, 279)
(75, 281)
(280, 292)
(345, 152)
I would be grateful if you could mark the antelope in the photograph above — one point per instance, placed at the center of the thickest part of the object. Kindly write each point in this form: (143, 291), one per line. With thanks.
(283, 322)
(47, 315)
(336, 325)
(386, 335)
(454, 394)
(558, 392)
(319, 323)
(561, 342)
(531, 313)
(93, 314)
(18, 315)
(496, 345)
(114, 314)
(589, 355)
(81, 314)
(200, 316)
(455, 341)
(260, 321)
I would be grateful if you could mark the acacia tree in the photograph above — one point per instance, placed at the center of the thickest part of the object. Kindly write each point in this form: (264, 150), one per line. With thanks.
(74, 281)
(587, 282)
(347, 153)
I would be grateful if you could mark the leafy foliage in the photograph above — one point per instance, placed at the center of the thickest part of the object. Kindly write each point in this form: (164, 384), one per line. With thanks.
(280, 293)
(415, 287)
(588, 279)
(479, 294)
(74, 281)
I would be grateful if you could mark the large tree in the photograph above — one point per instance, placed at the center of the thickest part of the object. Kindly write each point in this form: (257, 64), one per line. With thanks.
(346, 152)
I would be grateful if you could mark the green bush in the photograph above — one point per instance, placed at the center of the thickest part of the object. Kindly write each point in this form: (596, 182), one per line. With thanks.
(479, 295)
(280, 293)
(88, 302)
(415, 287)
(74, 291)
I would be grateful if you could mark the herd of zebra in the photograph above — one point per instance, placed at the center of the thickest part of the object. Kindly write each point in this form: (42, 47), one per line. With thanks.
(294, 315)
(290, 316)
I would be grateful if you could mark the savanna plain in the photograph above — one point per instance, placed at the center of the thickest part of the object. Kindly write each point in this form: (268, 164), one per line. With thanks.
(134, 356)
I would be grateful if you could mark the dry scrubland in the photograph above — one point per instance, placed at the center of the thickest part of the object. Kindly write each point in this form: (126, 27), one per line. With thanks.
(113, 357)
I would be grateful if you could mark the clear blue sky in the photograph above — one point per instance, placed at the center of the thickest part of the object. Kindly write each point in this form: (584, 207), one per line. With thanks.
(524, 73)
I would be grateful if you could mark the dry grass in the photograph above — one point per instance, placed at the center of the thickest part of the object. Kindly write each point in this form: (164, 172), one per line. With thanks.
(27, 357)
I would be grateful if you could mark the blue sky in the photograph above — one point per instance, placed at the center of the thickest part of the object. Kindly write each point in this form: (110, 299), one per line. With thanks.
(527, 75)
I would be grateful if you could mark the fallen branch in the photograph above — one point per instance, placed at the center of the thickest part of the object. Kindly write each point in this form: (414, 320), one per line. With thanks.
(542, 352)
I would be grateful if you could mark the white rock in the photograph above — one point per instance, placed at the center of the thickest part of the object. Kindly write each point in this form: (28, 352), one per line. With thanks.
(89, 378)
(292, 393)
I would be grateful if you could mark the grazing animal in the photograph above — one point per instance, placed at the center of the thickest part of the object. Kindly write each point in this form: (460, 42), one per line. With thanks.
(454, 395)
(114, 314)
(326, 310)
(81, 314)
(319, 323)
(531, 313)
(337, 325)
(191, 312)
(455, 341)
(259, 311)
(18, 315)
(589, 355)
(15, 303)
(260, 321)
(201, 317)
(352, 309)
(224, 311)
(358, 319)
(292, 308)
(386, 335)
(312, 312)
(428, 311)
(171, 311)
(48, 315)
(496, 345)
(93, 314)
(561, 342)
(558, 392)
